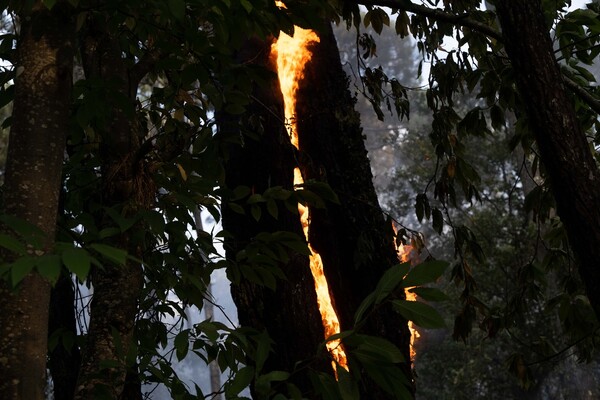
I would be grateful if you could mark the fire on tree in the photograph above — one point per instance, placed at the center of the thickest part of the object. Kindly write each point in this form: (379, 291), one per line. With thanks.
(350, 236)
(292, 54)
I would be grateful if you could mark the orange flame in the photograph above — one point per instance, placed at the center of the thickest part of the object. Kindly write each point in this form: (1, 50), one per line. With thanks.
(292, 53)
(404, 255)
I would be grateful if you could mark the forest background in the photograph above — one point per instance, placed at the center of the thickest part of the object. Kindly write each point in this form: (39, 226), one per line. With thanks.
(520, 323)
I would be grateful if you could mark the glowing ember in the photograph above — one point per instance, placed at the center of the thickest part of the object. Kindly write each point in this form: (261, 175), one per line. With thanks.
(292, 54)
(404, 255)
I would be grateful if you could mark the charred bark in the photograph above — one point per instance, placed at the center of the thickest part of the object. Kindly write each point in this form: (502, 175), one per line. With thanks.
(355, 242)
(263, 159)
(564, 149)
(127, 187)
(41, 112)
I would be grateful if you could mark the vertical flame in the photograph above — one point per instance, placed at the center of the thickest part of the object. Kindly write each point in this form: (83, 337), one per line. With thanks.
(404, 255)
(292, 53)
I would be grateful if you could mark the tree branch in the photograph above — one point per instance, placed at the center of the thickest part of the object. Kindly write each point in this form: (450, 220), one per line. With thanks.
(586, 96)
(436, 14)
(464, 20)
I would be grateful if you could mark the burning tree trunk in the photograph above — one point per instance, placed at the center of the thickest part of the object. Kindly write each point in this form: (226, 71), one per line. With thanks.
(264, 159)
(354, 241)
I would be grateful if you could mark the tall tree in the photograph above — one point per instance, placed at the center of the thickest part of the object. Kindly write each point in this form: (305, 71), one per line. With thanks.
(44, 69)
(127, 188)
(353, 238)
(260, 166)
(564, 148)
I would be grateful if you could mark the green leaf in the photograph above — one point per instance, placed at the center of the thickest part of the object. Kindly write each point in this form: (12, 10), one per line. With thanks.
(77, 261)
(108, 232)
(262, 350)
(182, 344)
(390, 280)
(429, 294)
(420, 313)
(123, 222)
(49, 266)
(240, 381)
(277, 193)
(390, 378)
(256, 212)
(49, 3)
(236, 208)
(263, 382)
(255, 198)
(326, 385)
(247, 5)
(297, 244)
(11, 243)
(272, 208)
(30, 232)
(294, 392)
(20, 268)
(114, 254)
(364, 306)
(424, 273)
(240, 192)
(323, 190)
(347, 385)
(177, 8)
(372, 349)
(277, 376)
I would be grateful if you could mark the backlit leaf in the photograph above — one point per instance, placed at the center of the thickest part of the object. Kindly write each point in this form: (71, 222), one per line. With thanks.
(390, 280)
(78, 262)
(420, 313)
(423, 273)
(49, 266)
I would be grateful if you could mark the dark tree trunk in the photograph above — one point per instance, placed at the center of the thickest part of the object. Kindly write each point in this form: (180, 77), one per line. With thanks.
(63, 361)
(263, 160)
(127, 187)
(355, 242)
(564, 149)
(41, 112)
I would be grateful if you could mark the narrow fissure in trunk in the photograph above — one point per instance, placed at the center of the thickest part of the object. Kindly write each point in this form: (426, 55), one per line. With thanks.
(355, 242)
(264, 158)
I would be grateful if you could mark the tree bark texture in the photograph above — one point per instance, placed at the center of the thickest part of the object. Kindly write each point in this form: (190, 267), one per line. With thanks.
(289, 314)
(44, 67)
(355, 242)
(127, 187)
(563, 147)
